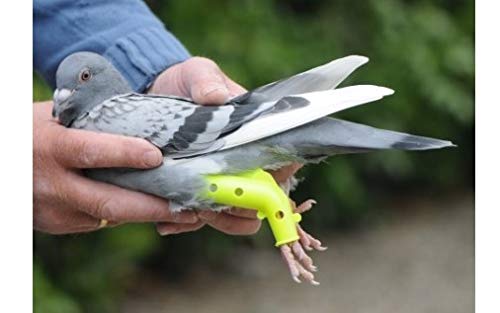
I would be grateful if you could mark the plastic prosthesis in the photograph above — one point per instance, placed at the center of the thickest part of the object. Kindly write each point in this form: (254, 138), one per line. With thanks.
(257, 190)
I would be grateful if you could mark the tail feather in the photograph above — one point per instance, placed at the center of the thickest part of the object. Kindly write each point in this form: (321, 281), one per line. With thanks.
(329, 136)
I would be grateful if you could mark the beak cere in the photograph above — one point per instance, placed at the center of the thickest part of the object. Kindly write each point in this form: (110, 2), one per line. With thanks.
(60, 96)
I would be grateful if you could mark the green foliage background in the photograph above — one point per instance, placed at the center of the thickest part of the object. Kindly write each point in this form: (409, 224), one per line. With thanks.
(422, 49)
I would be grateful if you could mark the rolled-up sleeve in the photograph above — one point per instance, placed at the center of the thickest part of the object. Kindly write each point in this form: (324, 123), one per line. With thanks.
(126, 32)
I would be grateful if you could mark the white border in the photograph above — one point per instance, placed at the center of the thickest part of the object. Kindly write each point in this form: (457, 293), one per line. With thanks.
(16, 156)
(487, 156)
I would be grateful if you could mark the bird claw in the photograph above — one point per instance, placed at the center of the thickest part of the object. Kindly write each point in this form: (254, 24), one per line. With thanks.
(308, 241)
(299, 263)
(303, 207)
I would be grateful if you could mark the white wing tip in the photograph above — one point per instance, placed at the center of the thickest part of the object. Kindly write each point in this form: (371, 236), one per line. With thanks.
(371, 89)
(360, 58)
(386, 91)
(357, 60)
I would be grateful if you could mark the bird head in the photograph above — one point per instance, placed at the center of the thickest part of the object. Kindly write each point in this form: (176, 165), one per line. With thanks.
(84, 80)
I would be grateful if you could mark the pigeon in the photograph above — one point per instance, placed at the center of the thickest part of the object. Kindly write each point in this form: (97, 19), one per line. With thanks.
(267, 128)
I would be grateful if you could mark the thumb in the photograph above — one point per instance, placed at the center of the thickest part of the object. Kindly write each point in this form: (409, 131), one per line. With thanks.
(85, 149)
(206, 82)
(210, 93)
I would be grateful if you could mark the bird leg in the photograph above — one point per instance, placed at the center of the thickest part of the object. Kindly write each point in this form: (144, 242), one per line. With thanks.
(298, 262)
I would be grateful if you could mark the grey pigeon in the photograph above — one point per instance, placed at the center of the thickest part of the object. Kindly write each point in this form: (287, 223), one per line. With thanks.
(269, 127)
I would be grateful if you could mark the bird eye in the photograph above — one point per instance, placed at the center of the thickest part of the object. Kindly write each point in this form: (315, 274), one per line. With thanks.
(85, 75)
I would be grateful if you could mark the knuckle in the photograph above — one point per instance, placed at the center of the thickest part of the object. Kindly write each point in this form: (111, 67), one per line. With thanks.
(103, 209)
(67, 146)
(60, 144)
(203, 61)
(48, 219)
(54, 189)
(160, 214)
(153, 209)
(82, 151)
(87, 154)
(43, 187)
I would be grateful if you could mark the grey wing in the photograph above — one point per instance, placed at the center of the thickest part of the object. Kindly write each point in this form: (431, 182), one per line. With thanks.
(324, 77)
(176, 125)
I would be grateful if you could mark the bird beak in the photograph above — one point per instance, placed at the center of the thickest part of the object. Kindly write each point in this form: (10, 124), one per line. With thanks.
(60, 96)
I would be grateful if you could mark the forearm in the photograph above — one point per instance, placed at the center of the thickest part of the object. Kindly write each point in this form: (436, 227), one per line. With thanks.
(125, 32)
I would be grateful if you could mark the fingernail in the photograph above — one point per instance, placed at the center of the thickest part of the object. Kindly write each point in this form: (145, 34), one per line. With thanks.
(186, 217)
(214, 88)
(207, 216)
(153, 158)
(167, 231)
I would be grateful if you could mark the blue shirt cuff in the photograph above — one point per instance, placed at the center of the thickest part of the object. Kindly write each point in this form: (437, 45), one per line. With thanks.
(143, 54)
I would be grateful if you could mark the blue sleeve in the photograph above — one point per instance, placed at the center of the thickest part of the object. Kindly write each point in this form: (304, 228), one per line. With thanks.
(126, 32)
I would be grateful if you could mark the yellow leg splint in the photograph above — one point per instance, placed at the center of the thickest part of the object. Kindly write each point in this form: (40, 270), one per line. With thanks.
(257, 190)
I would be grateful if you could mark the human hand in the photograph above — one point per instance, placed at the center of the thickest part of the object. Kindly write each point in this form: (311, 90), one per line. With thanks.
(64, 201)
(203, 81)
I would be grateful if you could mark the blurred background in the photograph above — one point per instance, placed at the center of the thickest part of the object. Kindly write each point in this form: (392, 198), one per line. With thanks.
(399, 225)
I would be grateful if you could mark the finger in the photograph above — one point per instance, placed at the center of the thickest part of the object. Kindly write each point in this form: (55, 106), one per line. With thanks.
(105, 201)
(205, 82)
(282, 174)
(86, 149)
(57, 221)
(229, 224)
(245, 213)
(174, 228)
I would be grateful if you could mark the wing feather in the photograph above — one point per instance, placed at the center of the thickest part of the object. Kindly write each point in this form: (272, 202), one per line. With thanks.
(176, 125)
(313, 106)
(182, 129)
(324, 77)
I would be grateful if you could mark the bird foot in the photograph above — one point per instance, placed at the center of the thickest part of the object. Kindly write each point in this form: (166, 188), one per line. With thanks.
(299, 263)
(304, 206)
